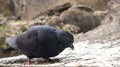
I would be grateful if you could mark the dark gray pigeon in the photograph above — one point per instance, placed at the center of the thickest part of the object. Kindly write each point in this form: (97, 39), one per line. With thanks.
(40, 42)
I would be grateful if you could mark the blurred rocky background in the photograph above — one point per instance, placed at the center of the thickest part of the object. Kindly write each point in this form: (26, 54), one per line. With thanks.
(92, 20)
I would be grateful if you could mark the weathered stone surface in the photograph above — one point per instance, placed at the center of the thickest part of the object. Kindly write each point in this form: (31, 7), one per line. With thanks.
(96, 4)
(30, 9)
(102, 52)
(7, 8)
(55, 21)
(110, 25)
(82, 17)
(77, 19)
(58, 9)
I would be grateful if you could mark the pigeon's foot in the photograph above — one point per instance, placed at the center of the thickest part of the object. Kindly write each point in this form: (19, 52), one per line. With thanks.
(27, 63)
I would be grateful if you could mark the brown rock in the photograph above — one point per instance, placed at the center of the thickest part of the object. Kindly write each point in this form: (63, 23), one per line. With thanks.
(82, 17)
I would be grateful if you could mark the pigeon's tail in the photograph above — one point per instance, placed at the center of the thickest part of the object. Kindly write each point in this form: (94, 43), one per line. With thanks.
(12, 42)
(7, 50)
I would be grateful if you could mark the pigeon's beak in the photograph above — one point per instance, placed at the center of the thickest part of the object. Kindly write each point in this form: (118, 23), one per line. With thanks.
(72, 47)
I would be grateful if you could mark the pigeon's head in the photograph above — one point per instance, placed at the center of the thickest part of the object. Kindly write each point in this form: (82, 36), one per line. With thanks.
(66, 38)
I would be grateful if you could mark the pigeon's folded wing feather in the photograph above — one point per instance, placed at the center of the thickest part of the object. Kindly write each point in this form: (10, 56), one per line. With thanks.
(26, 42)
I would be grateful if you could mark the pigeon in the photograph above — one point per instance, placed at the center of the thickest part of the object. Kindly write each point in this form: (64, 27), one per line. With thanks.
(40, 41)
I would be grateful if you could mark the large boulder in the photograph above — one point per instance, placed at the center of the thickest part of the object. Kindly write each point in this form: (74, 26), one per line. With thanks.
(81, 18)
(110, 25)
(77, 19)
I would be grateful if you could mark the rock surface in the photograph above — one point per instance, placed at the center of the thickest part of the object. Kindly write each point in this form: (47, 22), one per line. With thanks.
(102, 52)
(81, 17)
(30, 9)
(99, 47)
(110, 25)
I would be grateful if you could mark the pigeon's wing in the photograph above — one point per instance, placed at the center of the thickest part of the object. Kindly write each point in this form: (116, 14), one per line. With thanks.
(49, 42)
(32, 40)
(26, 42)
(35, 40)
